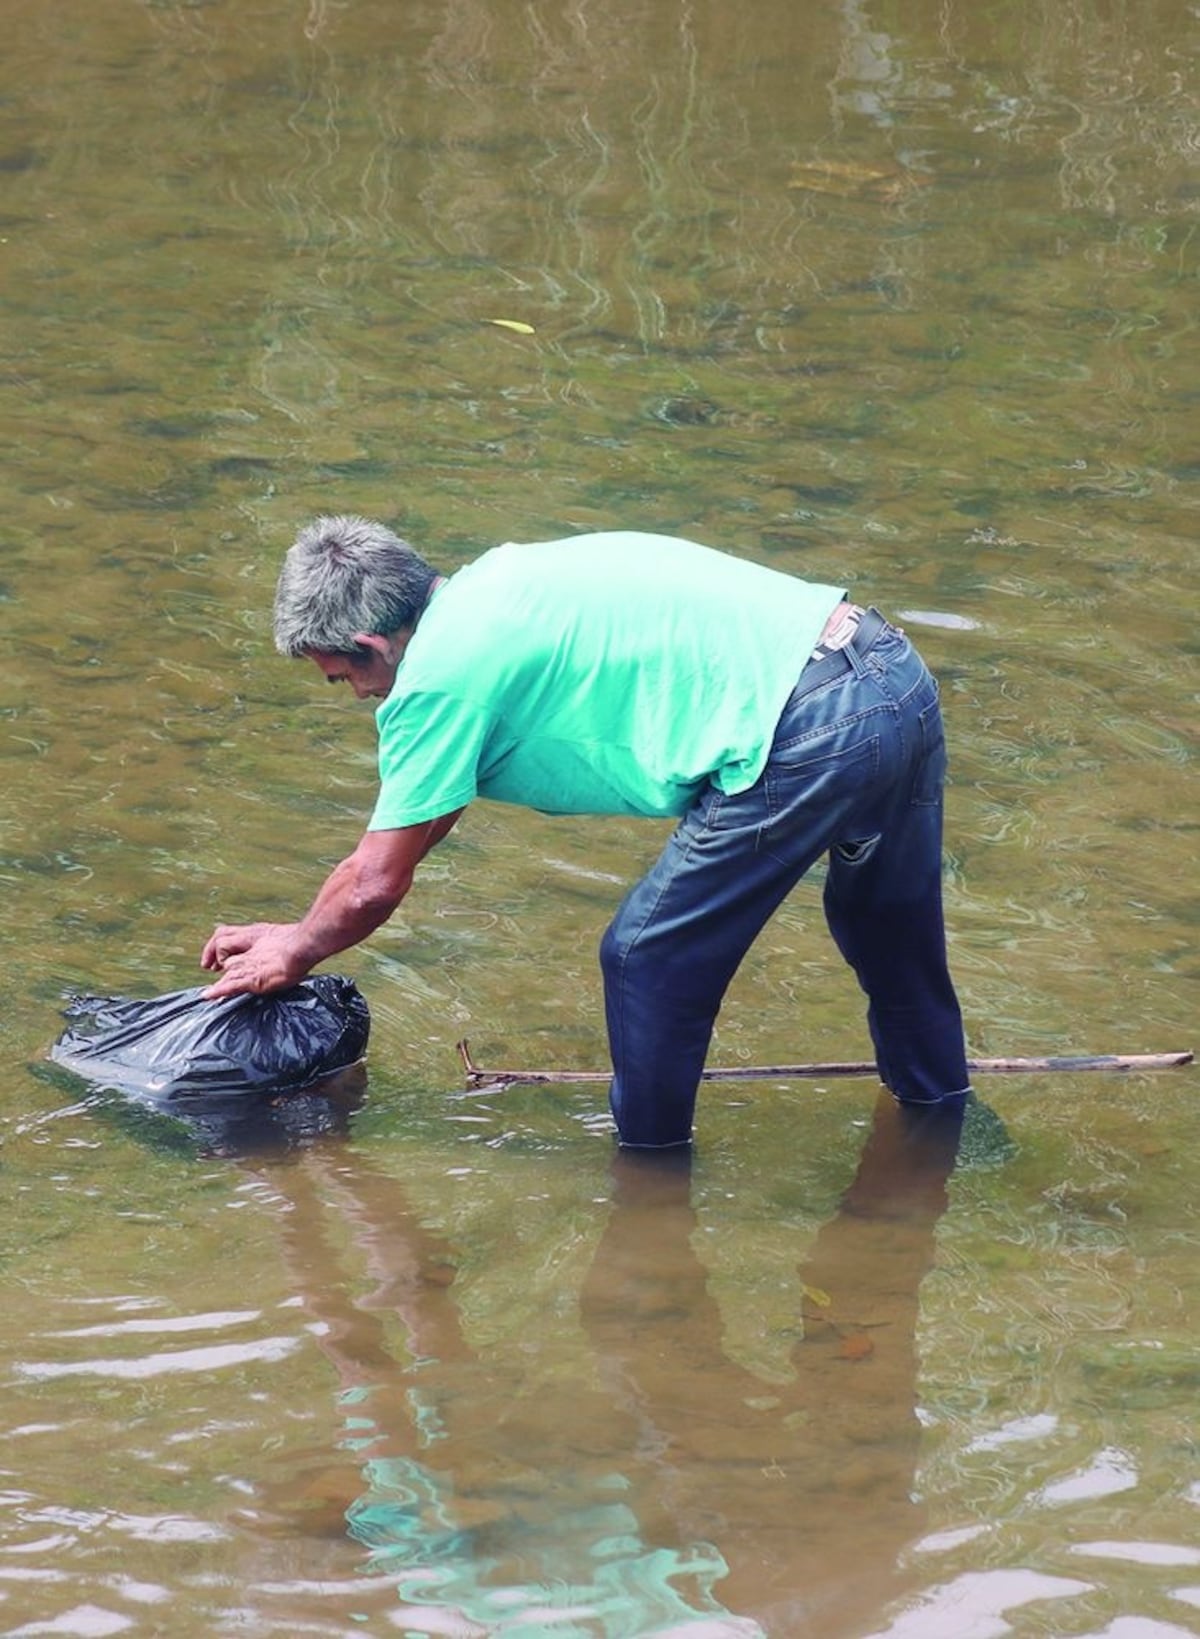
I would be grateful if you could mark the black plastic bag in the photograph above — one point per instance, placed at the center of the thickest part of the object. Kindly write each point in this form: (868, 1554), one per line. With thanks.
(180, 1046)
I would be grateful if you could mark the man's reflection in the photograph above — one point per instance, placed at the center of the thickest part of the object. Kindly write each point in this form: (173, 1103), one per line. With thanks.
(494, 1473)
(806, 1489)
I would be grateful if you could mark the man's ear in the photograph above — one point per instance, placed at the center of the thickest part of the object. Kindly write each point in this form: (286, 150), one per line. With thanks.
(388, 646)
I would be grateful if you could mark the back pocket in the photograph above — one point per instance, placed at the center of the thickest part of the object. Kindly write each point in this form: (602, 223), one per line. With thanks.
(809, 801)
(931, 770)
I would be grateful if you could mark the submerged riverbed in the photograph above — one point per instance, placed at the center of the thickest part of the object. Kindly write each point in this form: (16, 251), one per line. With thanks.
(899, 298)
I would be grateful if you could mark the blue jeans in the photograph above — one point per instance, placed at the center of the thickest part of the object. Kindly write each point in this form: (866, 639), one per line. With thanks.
(855, 771)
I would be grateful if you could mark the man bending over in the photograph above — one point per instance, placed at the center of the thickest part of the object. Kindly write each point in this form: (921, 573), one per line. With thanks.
(624, 673)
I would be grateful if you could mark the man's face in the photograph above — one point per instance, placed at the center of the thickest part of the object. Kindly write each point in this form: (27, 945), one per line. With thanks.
(370, 678)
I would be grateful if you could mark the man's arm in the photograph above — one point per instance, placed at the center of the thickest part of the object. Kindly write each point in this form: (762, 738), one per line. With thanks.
(357, 897)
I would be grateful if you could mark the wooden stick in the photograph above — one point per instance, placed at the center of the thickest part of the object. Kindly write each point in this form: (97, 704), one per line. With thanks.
(1070, 1063)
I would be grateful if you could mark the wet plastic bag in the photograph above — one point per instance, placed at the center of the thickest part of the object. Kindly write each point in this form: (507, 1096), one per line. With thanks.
(179, 1045)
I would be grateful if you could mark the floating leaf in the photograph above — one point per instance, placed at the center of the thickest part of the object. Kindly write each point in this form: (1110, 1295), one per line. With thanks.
(849, 180)
(814, 1294)
(856, 1347)
(519, 325)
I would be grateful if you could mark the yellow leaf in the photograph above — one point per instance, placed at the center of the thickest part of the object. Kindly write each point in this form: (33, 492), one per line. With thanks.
(848, 180)
(814, 1294)
(857, 1346)
(518, 325)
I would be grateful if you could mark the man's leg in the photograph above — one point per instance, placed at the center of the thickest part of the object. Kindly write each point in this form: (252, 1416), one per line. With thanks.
(668, 957)
(883, 903)
(857, 767)
(677, 940)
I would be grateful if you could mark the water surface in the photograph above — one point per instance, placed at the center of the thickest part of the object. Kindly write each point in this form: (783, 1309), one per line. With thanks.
(901, 298)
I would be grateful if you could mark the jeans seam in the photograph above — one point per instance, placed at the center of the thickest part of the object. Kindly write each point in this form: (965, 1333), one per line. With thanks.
(826, 729)
(651, 911)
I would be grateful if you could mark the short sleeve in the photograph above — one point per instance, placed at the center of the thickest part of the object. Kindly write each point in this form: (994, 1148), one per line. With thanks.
(430, 748)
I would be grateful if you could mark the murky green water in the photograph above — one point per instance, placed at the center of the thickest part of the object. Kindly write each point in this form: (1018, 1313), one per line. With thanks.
(899, 296)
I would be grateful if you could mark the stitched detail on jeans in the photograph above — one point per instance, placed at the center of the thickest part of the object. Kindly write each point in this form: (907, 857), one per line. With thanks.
(832, 782)
(820, 765)
(826, 731)
(931, 770)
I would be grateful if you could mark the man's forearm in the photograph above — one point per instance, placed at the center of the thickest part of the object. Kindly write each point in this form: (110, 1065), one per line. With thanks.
(357, 896)
(362, 891)
(350, 905)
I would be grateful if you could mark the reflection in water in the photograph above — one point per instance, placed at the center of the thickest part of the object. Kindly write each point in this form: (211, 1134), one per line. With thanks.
(807, 1491)
(901, 294)
(275, 1126)
(669, 1484)
(233, 1126)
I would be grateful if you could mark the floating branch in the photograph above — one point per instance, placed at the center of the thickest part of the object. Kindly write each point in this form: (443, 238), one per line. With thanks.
(1071, 1063)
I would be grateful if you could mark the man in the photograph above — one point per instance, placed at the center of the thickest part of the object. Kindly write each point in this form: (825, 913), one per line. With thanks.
(639, 674)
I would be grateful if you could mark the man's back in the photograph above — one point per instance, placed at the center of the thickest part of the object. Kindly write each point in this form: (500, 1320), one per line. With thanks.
(604, 673)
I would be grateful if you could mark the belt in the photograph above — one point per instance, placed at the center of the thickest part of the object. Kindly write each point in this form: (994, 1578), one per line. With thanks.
(830, 666)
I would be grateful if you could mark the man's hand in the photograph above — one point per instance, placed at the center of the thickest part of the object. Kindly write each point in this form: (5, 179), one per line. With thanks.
(229, 941)
(254, 959)
(356, 897)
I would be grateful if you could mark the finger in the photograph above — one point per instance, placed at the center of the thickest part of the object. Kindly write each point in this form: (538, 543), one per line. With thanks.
(228, 943)
(230, 985)
(222, 942)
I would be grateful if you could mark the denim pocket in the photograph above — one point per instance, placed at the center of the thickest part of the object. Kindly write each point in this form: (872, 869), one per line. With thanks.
(930, 774)
(808, 800)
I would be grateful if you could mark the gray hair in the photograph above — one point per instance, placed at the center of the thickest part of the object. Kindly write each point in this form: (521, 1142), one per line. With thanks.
(346, 575)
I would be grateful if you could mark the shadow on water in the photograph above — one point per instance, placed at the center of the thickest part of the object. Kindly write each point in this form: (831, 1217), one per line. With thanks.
(658, 1486)
(243, 1126)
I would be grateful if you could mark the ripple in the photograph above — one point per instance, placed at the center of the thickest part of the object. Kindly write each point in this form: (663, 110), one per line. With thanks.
(429, 1619)
(144, 1527)
(1014, 1432)
(1141, 1553)
(941, 1542)
(85, 1621)
(221, 1356)
(182, 1323)
(939, 617)
(1111, 1471)
(1139, 1627)
(973, 1606)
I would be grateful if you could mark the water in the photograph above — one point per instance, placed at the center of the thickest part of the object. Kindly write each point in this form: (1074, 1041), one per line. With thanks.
(901, 297)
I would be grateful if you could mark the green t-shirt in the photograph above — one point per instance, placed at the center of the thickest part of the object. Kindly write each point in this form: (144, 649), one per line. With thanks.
(603, 674)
